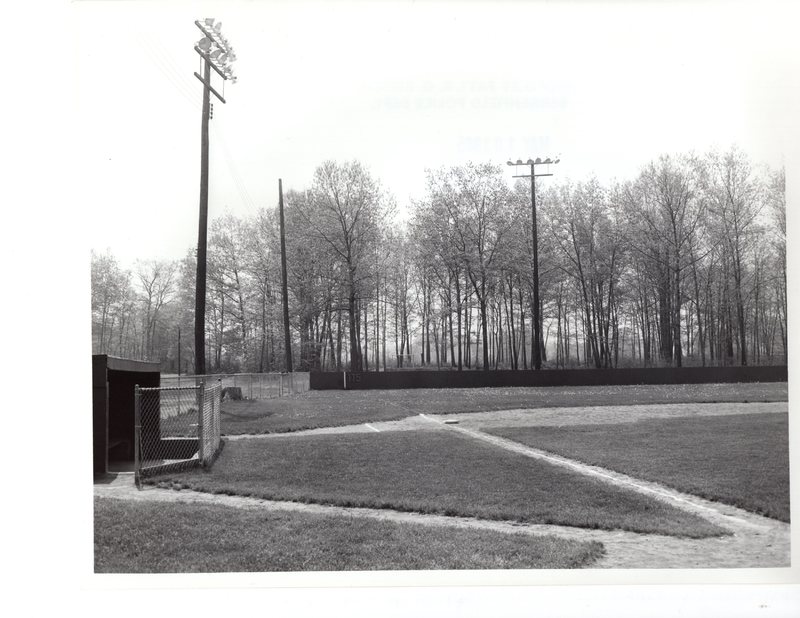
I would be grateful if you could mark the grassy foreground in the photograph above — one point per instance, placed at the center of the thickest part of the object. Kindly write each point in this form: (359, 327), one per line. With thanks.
(740, 459)
(134, 537)
(336, 408)
(431, 472)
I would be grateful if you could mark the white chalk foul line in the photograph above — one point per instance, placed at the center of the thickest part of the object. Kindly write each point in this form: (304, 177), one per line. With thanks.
(614, 478)
(372, 428)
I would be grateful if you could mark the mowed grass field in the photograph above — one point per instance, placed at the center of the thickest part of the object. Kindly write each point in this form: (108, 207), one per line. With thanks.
(434, 471)
(740, 459)
(337, 408)
(136, 537)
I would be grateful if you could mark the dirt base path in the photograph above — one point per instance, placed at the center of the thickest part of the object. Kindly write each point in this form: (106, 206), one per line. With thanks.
(755, 541)
(602, 415)
(583, 415)
(762, 547)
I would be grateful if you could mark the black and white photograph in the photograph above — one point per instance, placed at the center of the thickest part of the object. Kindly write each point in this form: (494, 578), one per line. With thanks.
(435, 294)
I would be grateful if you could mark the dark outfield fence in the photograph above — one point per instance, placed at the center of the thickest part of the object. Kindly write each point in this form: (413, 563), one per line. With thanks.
(328, 380)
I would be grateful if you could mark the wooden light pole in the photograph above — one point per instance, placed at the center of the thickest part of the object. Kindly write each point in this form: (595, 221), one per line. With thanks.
(216, 53)
(537, 325)
(284, 285)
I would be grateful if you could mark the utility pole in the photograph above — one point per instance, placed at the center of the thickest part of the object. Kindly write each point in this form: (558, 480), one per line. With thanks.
(537, 320)
(284, 285)
(217, 54)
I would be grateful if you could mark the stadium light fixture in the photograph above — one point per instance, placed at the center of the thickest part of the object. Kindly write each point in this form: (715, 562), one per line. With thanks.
(215, 48)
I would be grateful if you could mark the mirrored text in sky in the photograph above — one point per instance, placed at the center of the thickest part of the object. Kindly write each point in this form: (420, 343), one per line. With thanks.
(403, 87)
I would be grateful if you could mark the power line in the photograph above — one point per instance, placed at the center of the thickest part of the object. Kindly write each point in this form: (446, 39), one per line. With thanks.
(184, 87)
(181, 84)
(234, 170)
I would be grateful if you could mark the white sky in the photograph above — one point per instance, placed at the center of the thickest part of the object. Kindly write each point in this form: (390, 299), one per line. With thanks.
(400, 87)
(407, 86)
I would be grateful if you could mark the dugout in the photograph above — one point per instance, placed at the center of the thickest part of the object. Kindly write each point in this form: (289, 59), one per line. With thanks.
(113, 381)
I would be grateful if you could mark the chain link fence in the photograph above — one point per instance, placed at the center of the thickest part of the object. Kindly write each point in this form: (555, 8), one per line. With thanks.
(176, 427)
(249, 385)
(209, 423)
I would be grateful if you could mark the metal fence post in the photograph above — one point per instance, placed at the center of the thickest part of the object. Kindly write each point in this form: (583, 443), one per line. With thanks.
(200, 424)
(137, 435)
(217, 416)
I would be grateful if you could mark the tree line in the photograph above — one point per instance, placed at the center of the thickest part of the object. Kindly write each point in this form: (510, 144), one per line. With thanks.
(685, 264)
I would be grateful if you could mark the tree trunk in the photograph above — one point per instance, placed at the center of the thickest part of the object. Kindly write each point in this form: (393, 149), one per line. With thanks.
(458, 313)
(485, 332)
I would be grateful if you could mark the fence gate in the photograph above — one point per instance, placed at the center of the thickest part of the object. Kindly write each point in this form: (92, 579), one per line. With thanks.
(176, 428)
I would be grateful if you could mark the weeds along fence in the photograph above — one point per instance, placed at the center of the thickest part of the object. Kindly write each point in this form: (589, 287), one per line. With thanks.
(251, 385)
(176, 427)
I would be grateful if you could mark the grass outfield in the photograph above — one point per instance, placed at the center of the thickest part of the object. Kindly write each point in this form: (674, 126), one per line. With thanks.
(431, 472)
(740, 459)
(336, 408)
(133, 537)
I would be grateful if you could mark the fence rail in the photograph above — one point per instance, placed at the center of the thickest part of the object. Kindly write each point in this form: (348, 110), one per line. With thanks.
(252, 385)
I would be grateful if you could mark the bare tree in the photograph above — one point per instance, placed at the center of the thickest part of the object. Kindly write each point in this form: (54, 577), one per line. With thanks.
(686, 261)
(347, 211)
(664, 213)
(110, 288)
(735, 200)
(157, 283)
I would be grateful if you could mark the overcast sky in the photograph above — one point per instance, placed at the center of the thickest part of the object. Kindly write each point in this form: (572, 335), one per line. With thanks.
(407, 86)
(400, 87)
